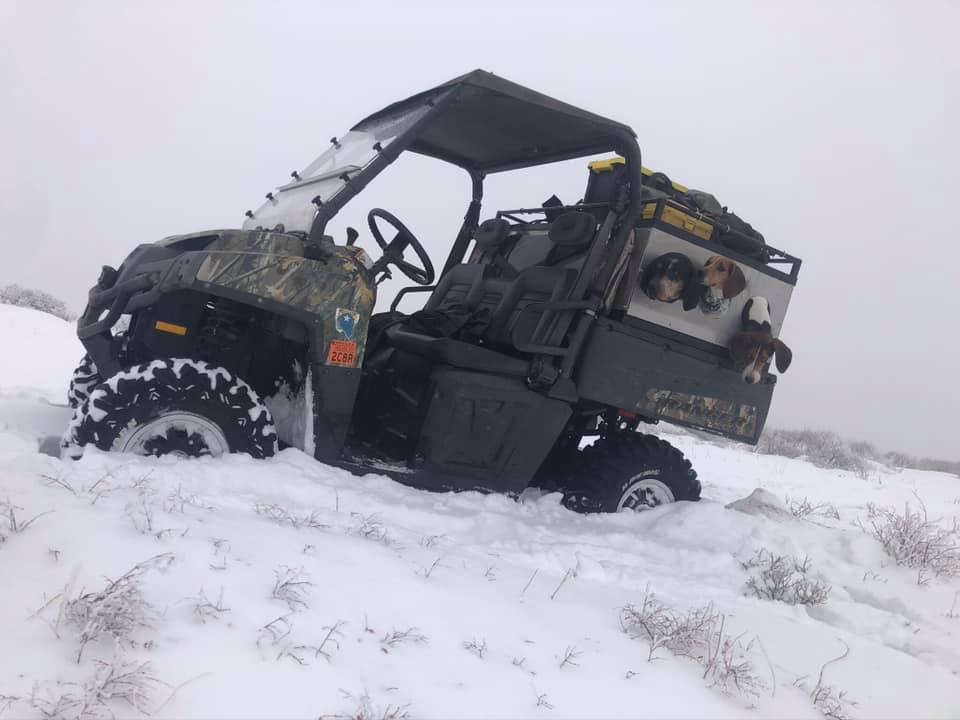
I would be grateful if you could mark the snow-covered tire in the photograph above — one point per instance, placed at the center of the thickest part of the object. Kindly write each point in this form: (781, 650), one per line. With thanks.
(176, 406)
(85, 378)
(630, 471)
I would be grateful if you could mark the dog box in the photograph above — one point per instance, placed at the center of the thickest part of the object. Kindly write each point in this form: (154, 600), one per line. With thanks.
(674, 351)
(657, 235)
(698, 386)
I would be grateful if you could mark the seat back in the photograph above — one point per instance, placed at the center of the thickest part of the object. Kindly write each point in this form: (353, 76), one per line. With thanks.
(516, 317)
(461, 285)
(502, 306)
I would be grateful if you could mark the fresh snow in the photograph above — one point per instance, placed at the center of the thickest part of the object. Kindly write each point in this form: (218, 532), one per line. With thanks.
(524, 580)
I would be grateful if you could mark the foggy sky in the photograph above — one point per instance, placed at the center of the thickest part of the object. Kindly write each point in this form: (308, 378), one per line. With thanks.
(832, 128)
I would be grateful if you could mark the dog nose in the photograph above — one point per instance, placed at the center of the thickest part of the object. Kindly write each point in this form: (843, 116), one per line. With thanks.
(750, 379)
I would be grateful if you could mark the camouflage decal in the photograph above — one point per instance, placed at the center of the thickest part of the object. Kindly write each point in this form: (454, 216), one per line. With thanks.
(267, 265)
(727, 416)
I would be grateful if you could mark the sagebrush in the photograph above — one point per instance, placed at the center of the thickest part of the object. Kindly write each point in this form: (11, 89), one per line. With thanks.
(699, 634)
(784, 578)
(828, 450)
(821, 447)
(912, 539)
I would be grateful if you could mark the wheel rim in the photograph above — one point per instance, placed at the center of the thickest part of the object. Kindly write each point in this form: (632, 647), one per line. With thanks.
(181, 434)
(644, 494)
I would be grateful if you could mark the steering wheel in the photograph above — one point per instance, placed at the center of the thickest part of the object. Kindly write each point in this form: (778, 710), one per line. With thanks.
(393, 251)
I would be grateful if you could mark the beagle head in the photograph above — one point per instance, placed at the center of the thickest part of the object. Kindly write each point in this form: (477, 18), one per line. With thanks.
(752, 352)
(722, 278)
(669, 278)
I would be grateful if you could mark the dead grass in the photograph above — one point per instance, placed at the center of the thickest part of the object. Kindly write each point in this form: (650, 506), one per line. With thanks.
(369, 527)
(477, 646)
(10, 523)
(285, 516)
(804, 509)
(120, 680)
(832, 702)
(205, 609)
(292, 586)
(396, 638)
(118, 610)
(364, 708)
(278, 634)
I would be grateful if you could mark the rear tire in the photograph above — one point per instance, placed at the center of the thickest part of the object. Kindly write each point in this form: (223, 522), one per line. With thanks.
(175, 406)
(630, 472)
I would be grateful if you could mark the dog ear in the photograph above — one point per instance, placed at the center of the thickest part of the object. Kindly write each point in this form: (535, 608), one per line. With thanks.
(653, 268)
(648, 272)
(735, 283)
(692, 292)
(690, 295)
(783, 354)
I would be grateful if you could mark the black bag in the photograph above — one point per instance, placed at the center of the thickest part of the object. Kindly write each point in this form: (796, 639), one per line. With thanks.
(702, 201)
(739, 235)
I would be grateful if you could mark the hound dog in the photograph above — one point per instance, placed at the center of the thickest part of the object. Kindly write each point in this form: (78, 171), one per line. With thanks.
(722, 280)
(669, 278)
(753, 347)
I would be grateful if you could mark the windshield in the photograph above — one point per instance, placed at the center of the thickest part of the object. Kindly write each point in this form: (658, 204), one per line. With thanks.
(292, 204)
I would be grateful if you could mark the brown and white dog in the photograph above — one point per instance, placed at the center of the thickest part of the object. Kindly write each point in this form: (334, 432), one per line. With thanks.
(753, 347)
(722, 280)
(669, 278)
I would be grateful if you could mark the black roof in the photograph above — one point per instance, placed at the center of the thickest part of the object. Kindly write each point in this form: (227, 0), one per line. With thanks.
(483, 122)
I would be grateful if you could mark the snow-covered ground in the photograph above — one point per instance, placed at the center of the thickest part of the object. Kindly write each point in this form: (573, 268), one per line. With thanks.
(486, 595)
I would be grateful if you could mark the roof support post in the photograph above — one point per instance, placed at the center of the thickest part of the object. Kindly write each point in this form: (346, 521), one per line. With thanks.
(470, 221)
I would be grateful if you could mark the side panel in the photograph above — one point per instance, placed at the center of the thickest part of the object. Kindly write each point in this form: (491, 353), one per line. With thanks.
(485, 432)
(633, 370)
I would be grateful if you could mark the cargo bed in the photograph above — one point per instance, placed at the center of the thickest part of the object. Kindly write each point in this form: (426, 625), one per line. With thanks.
(672, 364)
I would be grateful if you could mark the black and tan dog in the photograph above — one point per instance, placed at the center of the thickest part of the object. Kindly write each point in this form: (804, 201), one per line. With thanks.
(671, 277)
(754, 347)
(722, 280)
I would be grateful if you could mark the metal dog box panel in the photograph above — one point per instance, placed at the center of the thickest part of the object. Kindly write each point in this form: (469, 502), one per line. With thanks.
(763, 281)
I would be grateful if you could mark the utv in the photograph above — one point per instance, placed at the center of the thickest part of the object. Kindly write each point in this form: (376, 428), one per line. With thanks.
(536, 334)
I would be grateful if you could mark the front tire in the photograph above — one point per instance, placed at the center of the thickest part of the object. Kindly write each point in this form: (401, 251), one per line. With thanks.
(85, 377)
(173, 407)
(628, 471)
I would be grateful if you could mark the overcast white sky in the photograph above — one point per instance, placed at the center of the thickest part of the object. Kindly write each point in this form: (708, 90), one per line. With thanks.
(832, 127)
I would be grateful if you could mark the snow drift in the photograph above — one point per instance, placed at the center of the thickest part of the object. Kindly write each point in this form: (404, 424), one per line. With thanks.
(285, 588)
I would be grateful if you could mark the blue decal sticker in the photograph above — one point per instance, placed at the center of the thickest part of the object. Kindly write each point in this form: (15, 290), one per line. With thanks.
(346, 322)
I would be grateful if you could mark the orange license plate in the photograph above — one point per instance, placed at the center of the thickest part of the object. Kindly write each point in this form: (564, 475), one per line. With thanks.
(342, 352)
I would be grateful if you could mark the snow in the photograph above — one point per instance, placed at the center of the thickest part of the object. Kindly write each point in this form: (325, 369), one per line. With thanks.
(527, 578)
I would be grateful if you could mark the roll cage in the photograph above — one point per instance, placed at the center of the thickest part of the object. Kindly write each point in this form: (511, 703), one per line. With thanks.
(479, 122)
